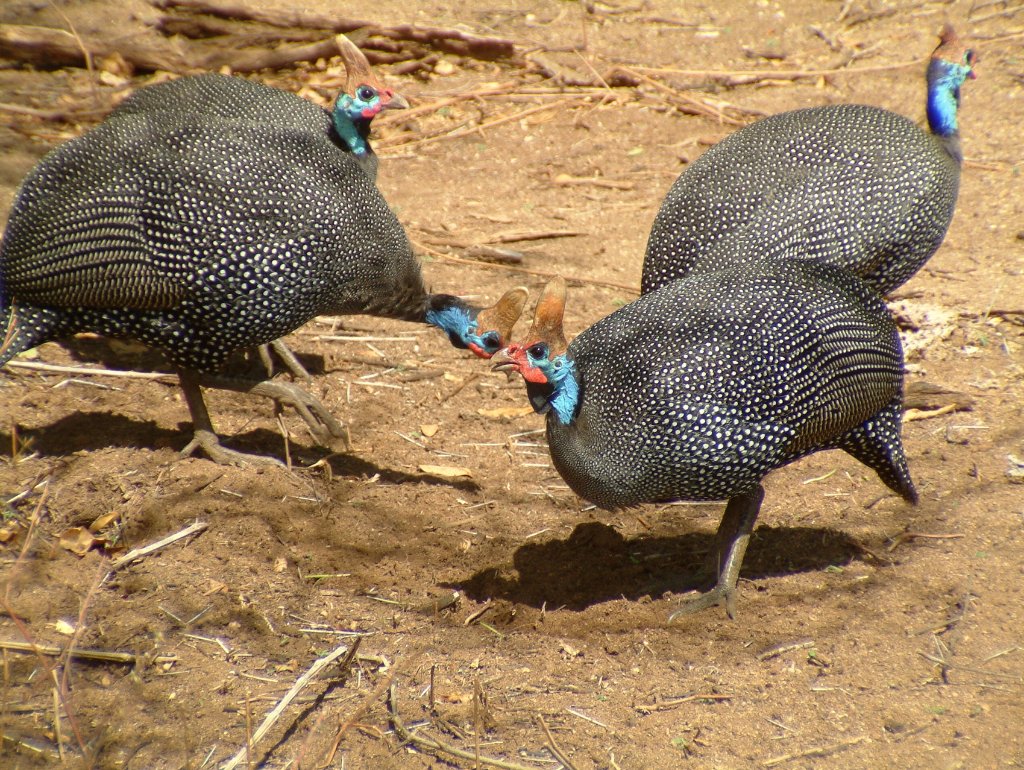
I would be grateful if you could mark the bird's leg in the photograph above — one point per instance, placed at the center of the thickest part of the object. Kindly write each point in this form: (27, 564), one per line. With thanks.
(322, 424)
(290, 360)
(730, 546)
(204, 437)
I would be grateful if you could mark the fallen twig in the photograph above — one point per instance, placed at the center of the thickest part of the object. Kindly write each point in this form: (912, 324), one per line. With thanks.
(48, 47)
(671, 703)
(784, 647)
(138, 553)
(91, 371)
(356, 715)
(444, 39)
(553, 747)
(904, 537)
(819, 751)
(726, 76)
(435, 746)
(103, 656)
(271, 719)
(524, 270)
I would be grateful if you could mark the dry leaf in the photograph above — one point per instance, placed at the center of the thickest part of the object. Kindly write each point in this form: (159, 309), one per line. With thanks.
(506, 411)
(104, 521)
(63, 627)
(7, 534)
(447, 471)
(78, 540)
(280, 564)
(429, 430)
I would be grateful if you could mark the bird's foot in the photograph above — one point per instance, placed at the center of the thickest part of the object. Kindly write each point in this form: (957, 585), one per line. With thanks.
(322, 424)
(207, 442)
(288, 358)
(721, 594)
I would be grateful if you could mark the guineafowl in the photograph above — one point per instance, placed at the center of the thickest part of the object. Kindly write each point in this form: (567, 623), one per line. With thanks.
(211, 214)
(851, 185)
(695, 391)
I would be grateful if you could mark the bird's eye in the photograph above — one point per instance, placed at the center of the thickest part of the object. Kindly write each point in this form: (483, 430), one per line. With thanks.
(538, 351)
(366, 93)
(490, 342)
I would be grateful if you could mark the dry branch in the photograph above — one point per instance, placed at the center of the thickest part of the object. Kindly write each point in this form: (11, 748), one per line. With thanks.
(448, 40)
(91, 371)
(523, 270)
(138, 553)
(103, 656)
(438, 747)
(271, 719)
(46, 47)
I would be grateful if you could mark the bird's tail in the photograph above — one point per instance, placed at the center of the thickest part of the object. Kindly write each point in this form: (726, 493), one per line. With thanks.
(878, 445)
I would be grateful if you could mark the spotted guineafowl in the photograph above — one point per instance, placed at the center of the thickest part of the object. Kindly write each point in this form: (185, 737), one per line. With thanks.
(211, 214)
(697, 390)
(851, 185)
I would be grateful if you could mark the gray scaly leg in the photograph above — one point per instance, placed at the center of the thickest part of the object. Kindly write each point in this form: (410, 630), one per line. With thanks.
(730, 546)
(204, 438)
(289, 359)
(322, 424)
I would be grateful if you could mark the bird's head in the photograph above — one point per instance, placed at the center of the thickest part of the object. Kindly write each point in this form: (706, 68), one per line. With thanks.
(484, 332)
(953, 57)
(950, 65)
(955, 54)
(542, 357)
(363, 98)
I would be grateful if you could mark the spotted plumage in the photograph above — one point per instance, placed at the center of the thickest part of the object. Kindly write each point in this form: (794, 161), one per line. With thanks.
(850, 185)
(212, 214)
(698, 389)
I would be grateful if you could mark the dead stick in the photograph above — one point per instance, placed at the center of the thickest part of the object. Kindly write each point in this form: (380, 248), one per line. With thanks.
(456, 134)
(523, 270)
(138, 553)
(436, 746)
(780, 74)
(86, 370)
(271, 719)
(556, 752)
(356, 715)
(821, 751)
(453, 40)
(55, 48)
(105, 656)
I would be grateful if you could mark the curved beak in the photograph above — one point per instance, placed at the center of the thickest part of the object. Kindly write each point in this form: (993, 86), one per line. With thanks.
(503, 362)
(394, 102)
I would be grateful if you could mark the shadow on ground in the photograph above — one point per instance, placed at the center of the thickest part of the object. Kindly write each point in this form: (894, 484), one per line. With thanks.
(596, 564)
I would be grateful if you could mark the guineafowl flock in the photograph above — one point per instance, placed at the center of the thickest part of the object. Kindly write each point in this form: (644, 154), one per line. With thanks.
(210, 215)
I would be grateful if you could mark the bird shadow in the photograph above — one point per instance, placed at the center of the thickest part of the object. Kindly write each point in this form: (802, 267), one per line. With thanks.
(92, 431)
(89, 431)
(596, 564)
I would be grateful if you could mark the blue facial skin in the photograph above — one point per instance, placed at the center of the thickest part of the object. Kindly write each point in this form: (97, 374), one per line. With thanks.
(461, 329)
(352, 116)
(944, 81)
(560, 374)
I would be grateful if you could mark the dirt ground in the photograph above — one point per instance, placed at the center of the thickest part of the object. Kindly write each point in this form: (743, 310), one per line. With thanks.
(507, 616)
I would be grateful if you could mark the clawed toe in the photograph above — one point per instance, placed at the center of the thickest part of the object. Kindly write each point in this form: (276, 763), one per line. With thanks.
(208, 443)
(719, 595)
(322, 424)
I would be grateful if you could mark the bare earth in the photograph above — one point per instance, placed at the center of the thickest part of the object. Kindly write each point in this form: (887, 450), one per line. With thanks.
(869, 633)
